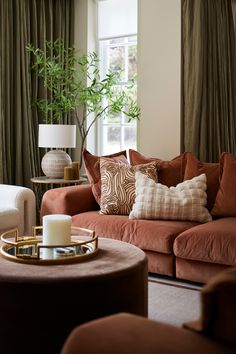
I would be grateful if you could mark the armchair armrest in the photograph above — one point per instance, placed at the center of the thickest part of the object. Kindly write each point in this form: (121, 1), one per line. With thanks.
(218, 300)
(68, 200)
(23, 199)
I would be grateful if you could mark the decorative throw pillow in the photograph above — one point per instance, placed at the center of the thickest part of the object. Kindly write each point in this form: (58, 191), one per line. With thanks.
(186, 201)
(92, 167)
(225, 204)
(194, 168)
(118, 185)
(170, 173)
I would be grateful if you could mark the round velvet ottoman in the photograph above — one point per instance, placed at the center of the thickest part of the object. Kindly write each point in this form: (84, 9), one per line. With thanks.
(40, 305)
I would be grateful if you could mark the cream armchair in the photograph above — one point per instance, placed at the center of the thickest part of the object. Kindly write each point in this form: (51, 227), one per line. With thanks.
(17, 209)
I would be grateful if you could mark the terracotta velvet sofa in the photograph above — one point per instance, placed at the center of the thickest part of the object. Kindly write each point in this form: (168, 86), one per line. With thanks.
(127, 333)
(182, 249)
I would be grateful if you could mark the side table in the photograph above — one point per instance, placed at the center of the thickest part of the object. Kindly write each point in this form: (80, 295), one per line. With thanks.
(42, 183)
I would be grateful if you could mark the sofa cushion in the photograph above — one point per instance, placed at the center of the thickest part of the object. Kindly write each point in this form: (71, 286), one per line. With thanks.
(118, 185)
(157, 236)
(225, 204)
(186, 201)
(170, 172)
(214, 242)
(92, 167)
(194, 167)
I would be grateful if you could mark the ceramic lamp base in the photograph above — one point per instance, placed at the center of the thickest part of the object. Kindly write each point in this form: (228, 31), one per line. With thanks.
(53, 163)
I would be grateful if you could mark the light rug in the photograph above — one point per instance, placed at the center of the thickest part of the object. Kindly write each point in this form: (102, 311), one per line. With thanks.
(173, 304)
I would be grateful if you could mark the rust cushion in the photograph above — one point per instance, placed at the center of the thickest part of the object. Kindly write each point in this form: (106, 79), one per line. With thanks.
(170, 173)
(157, 236)
(214, 242)
(225, 204)
(194, 167)
(92, 167)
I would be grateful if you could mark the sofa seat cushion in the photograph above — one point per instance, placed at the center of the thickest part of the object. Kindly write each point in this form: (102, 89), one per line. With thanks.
(9, 217)
(214, 242)
(150, 235)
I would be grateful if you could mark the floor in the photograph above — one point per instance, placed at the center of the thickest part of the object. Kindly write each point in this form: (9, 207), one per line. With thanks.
(173, 301)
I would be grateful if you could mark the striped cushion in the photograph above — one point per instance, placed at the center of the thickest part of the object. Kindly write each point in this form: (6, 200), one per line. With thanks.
(186, 201)
(118, 185)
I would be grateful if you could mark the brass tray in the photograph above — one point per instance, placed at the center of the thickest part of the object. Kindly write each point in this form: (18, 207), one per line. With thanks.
(30, 250)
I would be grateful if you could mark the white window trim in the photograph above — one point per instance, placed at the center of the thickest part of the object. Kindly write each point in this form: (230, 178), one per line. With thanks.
(123, 124)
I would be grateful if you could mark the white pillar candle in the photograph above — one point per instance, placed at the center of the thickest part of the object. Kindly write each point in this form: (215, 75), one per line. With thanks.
(56, 229)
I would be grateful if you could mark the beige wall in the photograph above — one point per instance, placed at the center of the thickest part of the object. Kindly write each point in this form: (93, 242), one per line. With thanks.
(85, 41)
(159, 26)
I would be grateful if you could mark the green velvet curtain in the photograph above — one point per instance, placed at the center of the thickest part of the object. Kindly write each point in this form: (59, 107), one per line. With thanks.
(208, 78)
(22, 22)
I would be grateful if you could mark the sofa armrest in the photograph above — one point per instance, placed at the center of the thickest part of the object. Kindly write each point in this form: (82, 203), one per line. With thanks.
(68, 200)
(218, 301)
(23, 199)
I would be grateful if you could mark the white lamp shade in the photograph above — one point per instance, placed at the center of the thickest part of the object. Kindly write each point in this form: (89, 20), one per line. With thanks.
(57, 136)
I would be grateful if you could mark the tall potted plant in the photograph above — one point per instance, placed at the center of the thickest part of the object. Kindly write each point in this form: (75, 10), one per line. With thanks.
(74, 87)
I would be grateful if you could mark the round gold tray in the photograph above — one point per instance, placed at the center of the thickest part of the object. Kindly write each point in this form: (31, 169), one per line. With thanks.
(30, 250)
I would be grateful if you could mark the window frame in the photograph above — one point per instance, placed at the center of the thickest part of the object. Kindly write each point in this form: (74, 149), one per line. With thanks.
(103, 46)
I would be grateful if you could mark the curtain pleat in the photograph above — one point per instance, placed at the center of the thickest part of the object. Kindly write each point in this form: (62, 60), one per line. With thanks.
(209, 78)
(22, 22)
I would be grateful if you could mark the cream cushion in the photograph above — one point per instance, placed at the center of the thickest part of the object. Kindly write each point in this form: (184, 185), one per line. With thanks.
(186, 201)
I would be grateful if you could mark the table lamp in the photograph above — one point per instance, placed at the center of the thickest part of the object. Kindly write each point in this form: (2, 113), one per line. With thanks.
(56, 136)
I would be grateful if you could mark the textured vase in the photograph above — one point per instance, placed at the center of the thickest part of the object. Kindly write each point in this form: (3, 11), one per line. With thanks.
(53, 163)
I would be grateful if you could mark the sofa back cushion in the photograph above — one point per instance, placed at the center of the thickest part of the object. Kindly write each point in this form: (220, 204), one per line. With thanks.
(225, 204)
(194, 168)
(92, 167)
(170, 172)
(186, 201)
(118, 185)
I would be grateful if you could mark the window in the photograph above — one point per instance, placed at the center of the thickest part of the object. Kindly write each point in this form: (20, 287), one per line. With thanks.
(117, 36)
(119, 54)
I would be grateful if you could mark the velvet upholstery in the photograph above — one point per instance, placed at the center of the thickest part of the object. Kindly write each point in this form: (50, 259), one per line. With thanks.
(210, 243)
(225, 200)
(161, 263)
(170, 172)
(68, 200)
(214, 332)
(194, 167)
(218, 315)
(213, 242)
(42, 304)
(126, 334)
(151, 235)
(197, 271)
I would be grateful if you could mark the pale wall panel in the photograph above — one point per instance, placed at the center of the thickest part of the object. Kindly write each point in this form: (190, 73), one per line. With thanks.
(159, 30)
